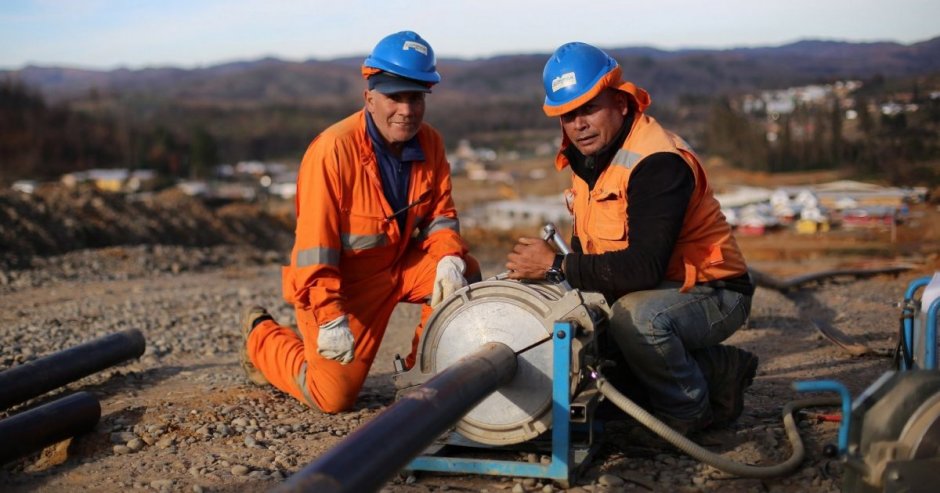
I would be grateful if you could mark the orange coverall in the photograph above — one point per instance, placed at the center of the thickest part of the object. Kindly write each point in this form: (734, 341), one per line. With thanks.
(350, 258)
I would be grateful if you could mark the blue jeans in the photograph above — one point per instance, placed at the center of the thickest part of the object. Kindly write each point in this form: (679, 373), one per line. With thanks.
(655, 331)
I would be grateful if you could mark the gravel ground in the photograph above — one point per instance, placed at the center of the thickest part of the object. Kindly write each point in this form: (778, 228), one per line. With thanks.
(183, 418)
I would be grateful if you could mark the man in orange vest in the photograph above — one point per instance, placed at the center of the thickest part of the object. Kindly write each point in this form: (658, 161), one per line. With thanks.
(376, 226)
(649, 234)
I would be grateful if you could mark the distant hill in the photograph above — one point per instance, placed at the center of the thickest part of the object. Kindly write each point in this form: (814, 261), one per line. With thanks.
(181, 122)
(668, 74)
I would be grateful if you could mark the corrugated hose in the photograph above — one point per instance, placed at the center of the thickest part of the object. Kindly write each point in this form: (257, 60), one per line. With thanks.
(702, 454)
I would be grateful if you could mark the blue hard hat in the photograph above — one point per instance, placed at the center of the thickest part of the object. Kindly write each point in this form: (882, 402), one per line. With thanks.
(574, 70)
(405, 54)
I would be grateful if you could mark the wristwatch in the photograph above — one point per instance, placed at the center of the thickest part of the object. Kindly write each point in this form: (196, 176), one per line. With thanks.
(554, 274)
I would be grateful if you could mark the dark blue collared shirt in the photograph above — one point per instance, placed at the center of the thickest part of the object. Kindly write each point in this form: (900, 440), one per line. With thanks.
(395, 172)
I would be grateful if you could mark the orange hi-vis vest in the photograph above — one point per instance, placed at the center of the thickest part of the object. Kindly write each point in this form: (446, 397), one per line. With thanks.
(347, 236)
(705, 250)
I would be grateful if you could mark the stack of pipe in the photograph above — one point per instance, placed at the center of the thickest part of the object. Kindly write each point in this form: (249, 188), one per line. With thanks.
(68, 416)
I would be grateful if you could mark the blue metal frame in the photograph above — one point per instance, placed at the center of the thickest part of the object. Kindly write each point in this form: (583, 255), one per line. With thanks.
(930, 355)
(560, 468)
(832, 385)
(908, 313)
(931, 337)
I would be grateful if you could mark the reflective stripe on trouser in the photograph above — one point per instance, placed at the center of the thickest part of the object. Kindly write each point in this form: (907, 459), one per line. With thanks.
(287, 360)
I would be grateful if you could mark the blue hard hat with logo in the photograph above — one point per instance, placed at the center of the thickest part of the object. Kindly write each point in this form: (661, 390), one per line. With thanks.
(405, 54)
(574, 74)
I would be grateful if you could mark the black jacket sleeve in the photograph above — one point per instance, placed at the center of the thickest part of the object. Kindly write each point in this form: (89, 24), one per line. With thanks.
(657, 197)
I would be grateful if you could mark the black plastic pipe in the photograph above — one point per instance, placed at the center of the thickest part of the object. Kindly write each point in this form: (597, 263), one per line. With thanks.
(21, 383)
(366, 459)
(47, 424)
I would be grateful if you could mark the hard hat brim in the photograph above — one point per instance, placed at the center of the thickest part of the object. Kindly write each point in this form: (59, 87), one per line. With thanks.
(386, 83)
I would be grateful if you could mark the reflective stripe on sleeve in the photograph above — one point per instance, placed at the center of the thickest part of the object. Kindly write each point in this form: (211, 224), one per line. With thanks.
(439, 223)
(317, 256)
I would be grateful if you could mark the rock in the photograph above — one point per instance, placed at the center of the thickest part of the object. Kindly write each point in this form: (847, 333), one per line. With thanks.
(166, 442)
(610, 480)
(162, 484)
(122, 437)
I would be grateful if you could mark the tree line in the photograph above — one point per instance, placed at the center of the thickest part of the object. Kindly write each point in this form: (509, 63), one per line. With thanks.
(183, 139)
(901, 147)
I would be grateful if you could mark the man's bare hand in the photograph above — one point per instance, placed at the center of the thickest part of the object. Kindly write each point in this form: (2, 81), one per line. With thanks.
(530, 259)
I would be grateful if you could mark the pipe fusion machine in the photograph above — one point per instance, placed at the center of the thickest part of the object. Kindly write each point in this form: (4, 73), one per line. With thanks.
(553, 331)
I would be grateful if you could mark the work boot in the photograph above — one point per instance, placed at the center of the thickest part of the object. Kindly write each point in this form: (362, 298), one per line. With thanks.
(631, 433)
(729, 371)
(689, 426)
(252, 317)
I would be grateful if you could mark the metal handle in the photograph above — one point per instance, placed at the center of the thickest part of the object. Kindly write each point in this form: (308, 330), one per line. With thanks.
(552, 236)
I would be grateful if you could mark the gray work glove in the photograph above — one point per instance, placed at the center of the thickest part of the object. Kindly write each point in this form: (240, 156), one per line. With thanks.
(336, 341)
(449, 278)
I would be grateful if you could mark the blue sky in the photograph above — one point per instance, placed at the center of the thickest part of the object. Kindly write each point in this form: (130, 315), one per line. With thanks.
(189, 33)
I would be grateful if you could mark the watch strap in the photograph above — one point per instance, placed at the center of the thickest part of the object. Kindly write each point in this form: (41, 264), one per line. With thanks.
(555, 273)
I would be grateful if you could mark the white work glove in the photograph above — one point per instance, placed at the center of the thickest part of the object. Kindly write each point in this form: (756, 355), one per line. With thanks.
(335, 341)
(449, 278)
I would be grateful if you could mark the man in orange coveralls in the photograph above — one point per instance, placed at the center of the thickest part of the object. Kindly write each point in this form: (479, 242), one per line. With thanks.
(376, 226)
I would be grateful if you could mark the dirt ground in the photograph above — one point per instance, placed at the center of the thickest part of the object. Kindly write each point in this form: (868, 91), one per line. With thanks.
(183, 418)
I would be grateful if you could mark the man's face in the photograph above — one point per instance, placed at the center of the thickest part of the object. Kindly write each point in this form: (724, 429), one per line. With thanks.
(397, 116)
(594, 124)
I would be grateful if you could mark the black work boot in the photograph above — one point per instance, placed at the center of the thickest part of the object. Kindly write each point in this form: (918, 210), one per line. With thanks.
(688, 426)
(729, 371)
(252, 317)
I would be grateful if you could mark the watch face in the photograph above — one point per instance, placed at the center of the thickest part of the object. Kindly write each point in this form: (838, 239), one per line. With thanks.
(554, 276)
